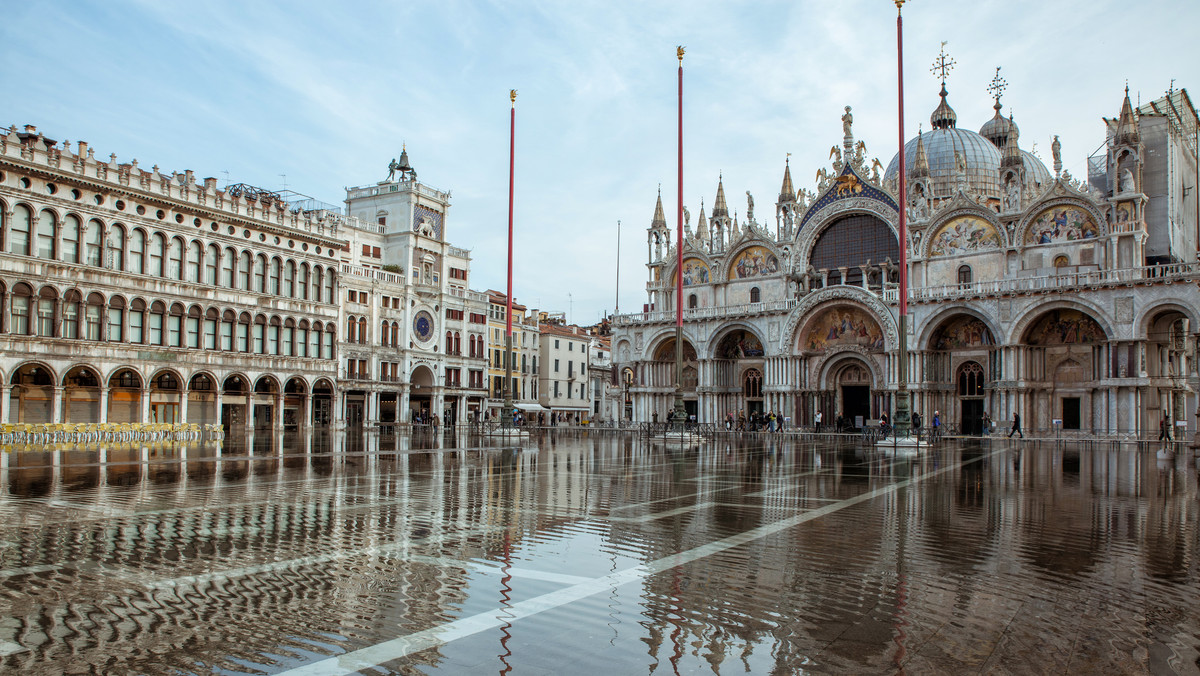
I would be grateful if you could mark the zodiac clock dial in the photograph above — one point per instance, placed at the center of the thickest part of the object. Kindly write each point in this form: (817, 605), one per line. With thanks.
(423, 326)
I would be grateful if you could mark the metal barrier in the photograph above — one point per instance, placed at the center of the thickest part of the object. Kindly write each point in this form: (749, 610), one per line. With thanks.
(44, 434)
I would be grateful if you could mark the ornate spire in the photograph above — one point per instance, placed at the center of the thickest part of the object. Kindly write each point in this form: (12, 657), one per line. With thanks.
(920, 165)
(660, 218)
(943, 116)
(1127, 129)
(720, 209)
(702, 223)
(1012, 154)
(998, 129)
(787, 193)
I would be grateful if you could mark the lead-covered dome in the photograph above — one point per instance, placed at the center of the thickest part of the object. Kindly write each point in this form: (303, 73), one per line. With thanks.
(980, 157)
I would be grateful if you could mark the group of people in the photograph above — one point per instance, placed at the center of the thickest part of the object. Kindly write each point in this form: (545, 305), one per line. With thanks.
(769, 421)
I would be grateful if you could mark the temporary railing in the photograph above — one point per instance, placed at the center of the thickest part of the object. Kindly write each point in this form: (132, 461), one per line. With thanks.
(31, 436)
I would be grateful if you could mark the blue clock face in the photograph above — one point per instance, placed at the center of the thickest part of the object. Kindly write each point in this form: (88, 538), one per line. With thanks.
(423, 325)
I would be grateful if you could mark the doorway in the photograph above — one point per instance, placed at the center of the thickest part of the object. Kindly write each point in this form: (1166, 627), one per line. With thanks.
(690, 407)
(856, 405)
(971, 418)
(1070, 413)
(354, 413)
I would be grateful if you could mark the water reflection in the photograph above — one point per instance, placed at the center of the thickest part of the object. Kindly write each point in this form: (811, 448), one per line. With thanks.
(601, 551)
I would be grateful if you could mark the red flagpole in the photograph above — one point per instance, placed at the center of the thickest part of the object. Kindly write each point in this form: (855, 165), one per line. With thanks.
(679, 211)
(512, 151)
(903, 184)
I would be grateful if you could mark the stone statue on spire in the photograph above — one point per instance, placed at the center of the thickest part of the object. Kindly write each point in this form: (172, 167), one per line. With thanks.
(847, 120)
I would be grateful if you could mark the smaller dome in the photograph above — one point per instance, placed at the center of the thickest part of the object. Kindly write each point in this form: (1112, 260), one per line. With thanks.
(998, 129)
(943, 116)
(1036, 172)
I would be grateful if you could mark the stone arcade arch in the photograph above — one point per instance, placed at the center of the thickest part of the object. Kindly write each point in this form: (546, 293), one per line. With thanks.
(81, 395)
(1061, 363)
(659, 380)
(202, 399)
(828, 335)
(166, 391)
(849, 385)
(322, 402)
(953, 340)
(235, 399)
(1166, 363)
(31, 399)
(295, 402)
(737, 357)
(266, 401)
(421, 395)
(125, 396)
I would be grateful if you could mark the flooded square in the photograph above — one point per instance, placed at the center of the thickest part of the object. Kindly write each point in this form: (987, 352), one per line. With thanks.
(590, 551)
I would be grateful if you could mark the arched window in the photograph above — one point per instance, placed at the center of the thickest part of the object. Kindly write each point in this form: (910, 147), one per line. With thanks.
(287, 343)
(93, 316)
(192, 326)
(70, 314)
(755, 295)
(115, 332)
(964, 274)
(384, 333)
(471, 345)
(137, 321)
(158, 252)
(211, 319)
(47, 301)
(137, 252)
(752, 384)
(22, 301)
(259, 335)
(457, 343)
(260, 273)
(175, 268)
(302, 339)
(243, 332)
(229, 269)
(692, 301)
(303, 284)
(19, 232)
(1062, 261)
(318, 280)
(449, 342)
(175, 326)
(273, 336)
(351, 326)
(47, 224)
(212, 259)
(851, 241)
(314, 340)
(244, 271)
(116, 247)
(228, 323)
(327, 351)
(329, 297)
(289, 279)
(195, 258)
(155, 321)
(273, 278)
(92, 240)
(970, 380)
(396, 334)
(362, 330)
(70, 239)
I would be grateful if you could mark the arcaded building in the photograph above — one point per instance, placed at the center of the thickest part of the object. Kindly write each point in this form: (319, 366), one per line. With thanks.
(1072, 301)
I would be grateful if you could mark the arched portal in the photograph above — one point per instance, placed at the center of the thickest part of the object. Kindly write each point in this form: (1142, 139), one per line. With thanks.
(235, 398)
(322, 404)
(662, 374)
(81, 395)
(960, 346)
(420, 400)
(165, 393)
(202, 399)
(1166, 364)
(266, 394)
(848, 386)
(125, 396)
(32, 397)
(970, 387)
(295, 393)
(1062, 368)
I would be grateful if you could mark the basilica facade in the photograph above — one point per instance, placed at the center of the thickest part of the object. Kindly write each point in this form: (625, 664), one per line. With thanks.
(1072, 302)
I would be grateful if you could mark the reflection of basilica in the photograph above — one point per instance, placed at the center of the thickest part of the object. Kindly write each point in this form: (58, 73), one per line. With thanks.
(1031, 291)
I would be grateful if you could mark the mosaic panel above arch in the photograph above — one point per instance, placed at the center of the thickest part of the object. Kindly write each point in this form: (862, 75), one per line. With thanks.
(666, 351)
(1061, 223)
(842, 325)
(739, 344)
(755, 261)
(695, 271)
(963, 235)
(962, 332)
(1065, 327)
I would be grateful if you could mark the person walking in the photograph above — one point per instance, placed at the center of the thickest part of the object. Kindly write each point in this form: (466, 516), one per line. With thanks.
(1016, 426)
(986, 427)
(916, 424)
(1164, 428)
(937, 426)
(883, 424)
(817, 422)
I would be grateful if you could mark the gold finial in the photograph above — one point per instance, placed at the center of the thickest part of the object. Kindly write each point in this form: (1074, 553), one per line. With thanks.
(899, 5)
(679, 53)
(512, 96)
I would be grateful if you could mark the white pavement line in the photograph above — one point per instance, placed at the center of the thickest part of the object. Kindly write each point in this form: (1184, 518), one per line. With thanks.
(645, 518)
(30, 570)
(396, 648)
(9, 648)
(495, 568)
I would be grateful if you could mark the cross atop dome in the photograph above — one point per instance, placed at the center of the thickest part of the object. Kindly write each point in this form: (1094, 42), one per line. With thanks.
(996, 89)
(942, 65)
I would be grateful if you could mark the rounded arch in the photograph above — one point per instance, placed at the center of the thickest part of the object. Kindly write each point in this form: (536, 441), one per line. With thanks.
(125, 377)
(1059, 220)
(943, 319)
(166, 380)
(664, 347)
(814, 225)
(36, 373)
(235, 383)
(831, 369)
(266, 384)
(322, 386)
(81, 375)
(1147, 315)
(295, 385)
(738, 339)
(963, 232)
(839, 324)
(202, 381)
(752, 259)
(802, 314)
(1020, 330)
(422, 377)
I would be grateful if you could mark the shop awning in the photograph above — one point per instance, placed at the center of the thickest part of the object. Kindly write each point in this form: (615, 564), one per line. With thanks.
(529, 407)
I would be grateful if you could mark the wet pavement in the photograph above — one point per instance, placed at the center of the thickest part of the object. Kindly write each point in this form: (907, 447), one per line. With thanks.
(599, 553)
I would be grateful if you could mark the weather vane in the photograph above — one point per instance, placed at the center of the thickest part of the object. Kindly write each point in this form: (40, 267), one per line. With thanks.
(942, 64)
(998, 85)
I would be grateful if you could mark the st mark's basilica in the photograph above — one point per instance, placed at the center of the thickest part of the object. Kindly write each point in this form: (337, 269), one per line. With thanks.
(1072, 301)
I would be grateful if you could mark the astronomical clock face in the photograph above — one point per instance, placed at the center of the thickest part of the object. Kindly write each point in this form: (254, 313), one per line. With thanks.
(423, 326)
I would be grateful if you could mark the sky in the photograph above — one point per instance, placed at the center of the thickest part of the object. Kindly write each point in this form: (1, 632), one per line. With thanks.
(319, 96)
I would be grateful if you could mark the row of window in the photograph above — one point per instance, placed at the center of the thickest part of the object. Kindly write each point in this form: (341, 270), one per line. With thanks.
(73, 316)
(158, 255)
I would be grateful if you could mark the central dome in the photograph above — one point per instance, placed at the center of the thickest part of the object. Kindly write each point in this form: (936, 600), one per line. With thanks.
(981, 157)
